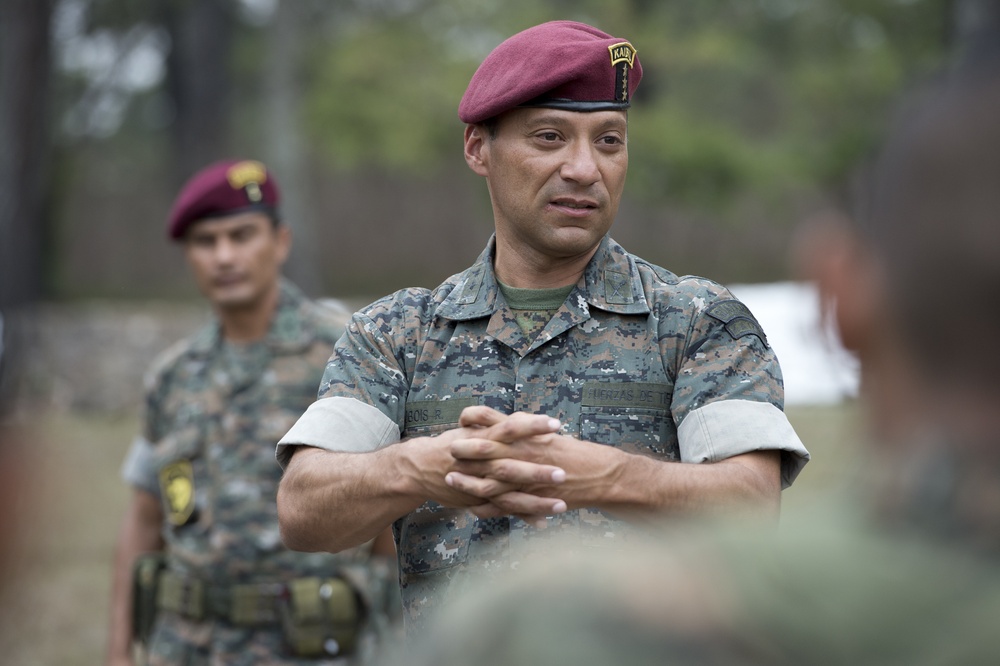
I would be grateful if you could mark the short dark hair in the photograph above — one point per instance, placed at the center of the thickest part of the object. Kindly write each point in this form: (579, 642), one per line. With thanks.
(491, 126)
(932, 216)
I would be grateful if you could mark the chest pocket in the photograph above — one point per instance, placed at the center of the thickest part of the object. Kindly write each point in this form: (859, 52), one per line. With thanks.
(633, 416)
(434, 538)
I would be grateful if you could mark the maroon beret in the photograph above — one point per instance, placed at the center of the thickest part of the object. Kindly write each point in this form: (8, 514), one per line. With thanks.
(223, 188)
(561, 65)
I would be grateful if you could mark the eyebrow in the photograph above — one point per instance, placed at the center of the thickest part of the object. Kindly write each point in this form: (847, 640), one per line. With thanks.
(222, 231)
(561, 121)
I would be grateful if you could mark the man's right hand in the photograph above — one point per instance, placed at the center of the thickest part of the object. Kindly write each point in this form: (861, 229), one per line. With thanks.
(429, 460)
(512, 486)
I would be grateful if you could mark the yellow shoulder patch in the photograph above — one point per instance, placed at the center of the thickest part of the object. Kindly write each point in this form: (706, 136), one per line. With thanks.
(177, 486)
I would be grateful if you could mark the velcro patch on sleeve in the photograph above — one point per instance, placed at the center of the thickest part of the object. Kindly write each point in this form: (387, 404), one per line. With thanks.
(737, 318)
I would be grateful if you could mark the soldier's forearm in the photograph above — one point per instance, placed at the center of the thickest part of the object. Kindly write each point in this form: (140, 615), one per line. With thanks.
(330, 501)
(139, 533)
(747, 484)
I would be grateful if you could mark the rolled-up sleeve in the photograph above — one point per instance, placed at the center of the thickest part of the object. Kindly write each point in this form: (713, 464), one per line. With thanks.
(138, 468)
(339, 424)
(729, 396)
(362, 393)
(729, 428)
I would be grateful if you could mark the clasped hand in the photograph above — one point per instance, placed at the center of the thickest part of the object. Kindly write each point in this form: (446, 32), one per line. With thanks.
(507, 462)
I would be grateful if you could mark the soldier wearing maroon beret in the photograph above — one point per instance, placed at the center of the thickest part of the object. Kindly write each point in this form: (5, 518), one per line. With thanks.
(558, 386)
(220, 582)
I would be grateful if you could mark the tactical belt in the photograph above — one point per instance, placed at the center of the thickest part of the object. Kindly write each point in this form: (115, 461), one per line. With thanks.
(318, 616)
(248, 604)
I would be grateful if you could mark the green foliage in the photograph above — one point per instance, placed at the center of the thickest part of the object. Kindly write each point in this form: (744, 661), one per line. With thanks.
(762, 97)
(738, 98)
(384, 96)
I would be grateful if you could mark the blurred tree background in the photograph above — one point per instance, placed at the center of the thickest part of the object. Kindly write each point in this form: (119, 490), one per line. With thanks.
(752, 115)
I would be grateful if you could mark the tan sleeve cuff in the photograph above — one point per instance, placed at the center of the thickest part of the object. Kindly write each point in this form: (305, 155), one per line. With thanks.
(727, 428)
(339, 424)
(138, 467)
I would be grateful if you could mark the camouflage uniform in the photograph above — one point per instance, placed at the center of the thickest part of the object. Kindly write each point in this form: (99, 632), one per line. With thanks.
(216, 409)
(946, 489)
(829, 593)
(635, 358)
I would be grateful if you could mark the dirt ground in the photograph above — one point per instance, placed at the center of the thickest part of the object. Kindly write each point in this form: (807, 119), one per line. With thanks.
(69, 500)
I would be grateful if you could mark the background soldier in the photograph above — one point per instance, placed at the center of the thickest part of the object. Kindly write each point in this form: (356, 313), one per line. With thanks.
(586, 374)
(203, 468)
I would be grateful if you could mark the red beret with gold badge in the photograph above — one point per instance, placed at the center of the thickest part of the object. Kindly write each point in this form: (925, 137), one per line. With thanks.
(223, 188)
(560, 65)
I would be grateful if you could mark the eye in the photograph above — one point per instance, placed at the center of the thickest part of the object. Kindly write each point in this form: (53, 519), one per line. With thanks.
(548, 137)
(202, 242)
(243, 234)
(611, 140)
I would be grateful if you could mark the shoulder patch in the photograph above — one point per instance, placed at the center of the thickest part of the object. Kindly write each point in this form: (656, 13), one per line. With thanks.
(177, 489)
(737, 318)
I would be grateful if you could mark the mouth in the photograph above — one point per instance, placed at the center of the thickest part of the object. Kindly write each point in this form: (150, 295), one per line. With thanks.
(227, 280)
(579, 205)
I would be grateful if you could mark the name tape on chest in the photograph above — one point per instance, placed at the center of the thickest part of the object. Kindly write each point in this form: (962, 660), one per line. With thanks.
(626, 394)
(424, 413)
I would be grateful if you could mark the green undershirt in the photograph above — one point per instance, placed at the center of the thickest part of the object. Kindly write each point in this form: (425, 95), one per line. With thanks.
(533, 308)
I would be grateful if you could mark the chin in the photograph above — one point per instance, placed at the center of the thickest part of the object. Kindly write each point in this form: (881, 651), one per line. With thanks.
(574, 241)
(233, 297)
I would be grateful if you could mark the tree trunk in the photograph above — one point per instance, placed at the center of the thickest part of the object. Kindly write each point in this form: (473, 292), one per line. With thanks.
(25, 60)
(286, 154)
(977, 31)
(198, 80)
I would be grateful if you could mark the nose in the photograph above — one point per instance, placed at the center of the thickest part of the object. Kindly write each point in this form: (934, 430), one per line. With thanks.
(580, 165)
(225, 250)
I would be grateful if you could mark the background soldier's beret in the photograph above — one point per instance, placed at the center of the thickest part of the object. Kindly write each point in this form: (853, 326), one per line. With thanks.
(561, 64)
(223, 188)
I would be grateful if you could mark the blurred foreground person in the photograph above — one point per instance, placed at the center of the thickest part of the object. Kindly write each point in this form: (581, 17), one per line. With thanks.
(914, 291)
(560, 385)
(697, 597)
(17, 473)
(915, 288)
(225, 590)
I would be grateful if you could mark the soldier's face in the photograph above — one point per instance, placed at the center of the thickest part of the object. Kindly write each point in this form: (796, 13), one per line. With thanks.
(236, 260)
(555, 178)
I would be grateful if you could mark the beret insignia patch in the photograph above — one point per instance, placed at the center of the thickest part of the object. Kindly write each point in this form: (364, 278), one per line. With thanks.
(622, 58)
(738, 319)
(623, 52)
(247, 175)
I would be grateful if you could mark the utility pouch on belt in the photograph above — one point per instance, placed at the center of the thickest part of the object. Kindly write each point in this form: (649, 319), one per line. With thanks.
(145, 580)
(321, 616)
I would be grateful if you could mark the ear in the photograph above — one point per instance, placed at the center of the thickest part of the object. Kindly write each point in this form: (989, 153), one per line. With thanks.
(476, 149)
(829, 252)
(283, 240)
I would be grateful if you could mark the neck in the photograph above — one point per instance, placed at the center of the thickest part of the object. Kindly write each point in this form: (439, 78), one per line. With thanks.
(250, 322)
(534, 270)
(892, 392)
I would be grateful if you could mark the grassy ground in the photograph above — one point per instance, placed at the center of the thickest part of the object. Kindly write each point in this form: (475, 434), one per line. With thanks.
(54, 608)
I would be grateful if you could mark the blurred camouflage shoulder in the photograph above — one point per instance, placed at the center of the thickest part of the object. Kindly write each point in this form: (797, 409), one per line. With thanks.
(165, 361)
(330, 316)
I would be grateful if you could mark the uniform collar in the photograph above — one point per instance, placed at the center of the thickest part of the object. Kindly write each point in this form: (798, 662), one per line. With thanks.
(610, 282)
(288, 332)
